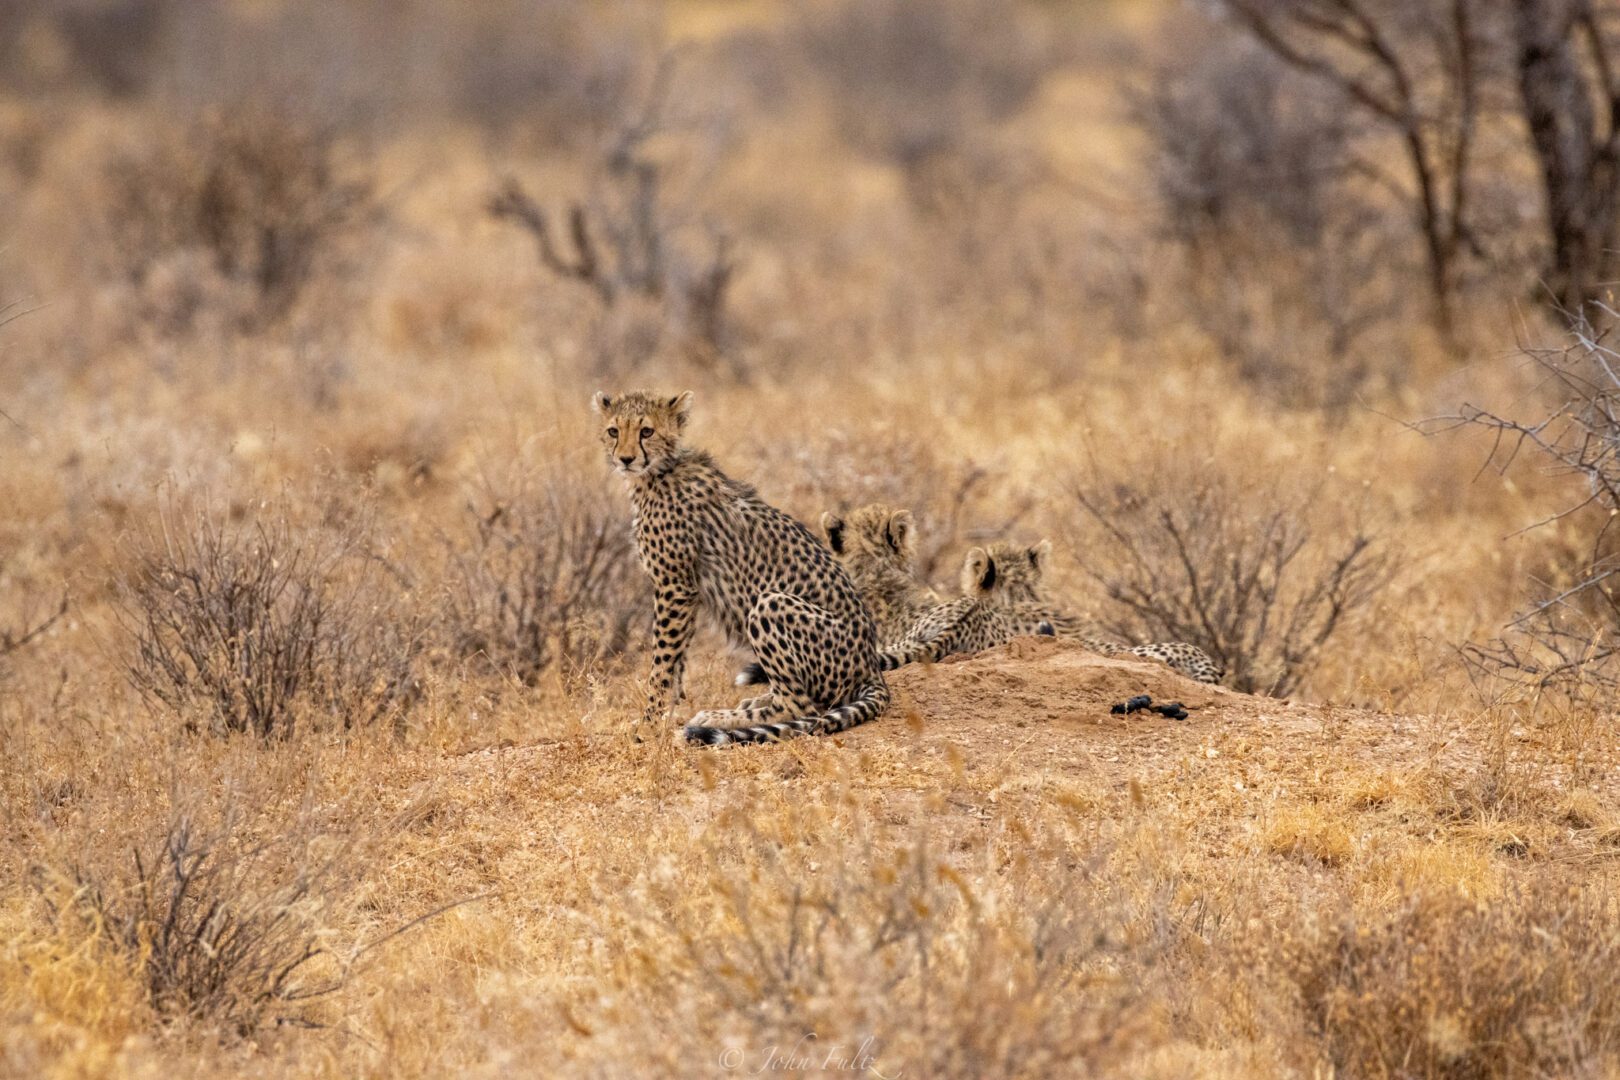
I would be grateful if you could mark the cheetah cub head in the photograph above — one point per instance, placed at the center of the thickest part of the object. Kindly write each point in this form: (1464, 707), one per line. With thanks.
(640, 429)
(872, 535)
(1006, 572)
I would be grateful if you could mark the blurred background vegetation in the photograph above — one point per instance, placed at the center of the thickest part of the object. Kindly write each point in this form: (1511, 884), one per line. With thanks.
(1287, 321)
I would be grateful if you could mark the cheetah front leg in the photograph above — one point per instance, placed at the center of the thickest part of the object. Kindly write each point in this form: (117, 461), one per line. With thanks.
(674, 618)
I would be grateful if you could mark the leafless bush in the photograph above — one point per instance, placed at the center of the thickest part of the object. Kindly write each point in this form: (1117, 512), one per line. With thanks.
(237, 212)
(547, 582)
(215, 932)
(14, 638)
(1528, 985)
(565, 69)
(1237, 135)
(257, 627)
(1571, 634)
(1241, 569)
(110, 46)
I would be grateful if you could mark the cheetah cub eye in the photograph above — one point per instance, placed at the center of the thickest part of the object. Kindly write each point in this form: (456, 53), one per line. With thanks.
(613, 433)
(646, 432)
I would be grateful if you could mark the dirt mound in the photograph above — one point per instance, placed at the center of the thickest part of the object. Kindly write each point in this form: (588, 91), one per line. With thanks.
(1046, 703)
(1048, 679)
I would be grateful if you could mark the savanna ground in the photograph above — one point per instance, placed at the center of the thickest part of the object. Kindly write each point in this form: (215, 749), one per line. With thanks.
(320, 637)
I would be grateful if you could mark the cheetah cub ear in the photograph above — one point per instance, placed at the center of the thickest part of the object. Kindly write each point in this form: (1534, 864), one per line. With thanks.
(681, 406)
(833, 526)
(1040, 554)
(899, 532)
(602, 402)
(978, 572)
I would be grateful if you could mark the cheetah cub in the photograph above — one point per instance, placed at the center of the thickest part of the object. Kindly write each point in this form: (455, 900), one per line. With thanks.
(1021, 570)
(981, 619)
(877, 547)
(709, 542)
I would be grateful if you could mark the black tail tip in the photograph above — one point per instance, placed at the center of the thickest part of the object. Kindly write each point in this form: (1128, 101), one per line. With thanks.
(1045, 629)
(751, 675)
(704, 736)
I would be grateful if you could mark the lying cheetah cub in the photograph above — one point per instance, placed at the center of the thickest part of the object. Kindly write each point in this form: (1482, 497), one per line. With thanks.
(1021, 570)
(982, 619)
(877, 545)
(710, 542)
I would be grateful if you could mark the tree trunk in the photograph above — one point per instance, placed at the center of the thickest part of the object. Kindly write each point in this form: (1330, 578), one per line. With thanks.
(1578, 173)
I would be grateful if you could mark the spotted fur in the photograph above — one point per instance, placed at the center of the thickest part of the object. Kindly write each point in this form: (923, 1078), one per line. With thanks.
(981, 619)
(1021, 570)
(877, 546)
(710, 543)
(880, 558)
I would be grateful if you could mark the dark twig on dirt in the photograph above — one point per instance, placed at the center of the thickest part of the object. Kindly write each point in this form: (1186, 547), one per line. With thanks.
(1173, 710)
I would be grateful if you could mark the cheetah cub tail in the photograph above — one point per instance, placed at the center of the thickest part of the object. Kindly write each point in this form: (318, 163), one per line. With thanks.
(866, 705)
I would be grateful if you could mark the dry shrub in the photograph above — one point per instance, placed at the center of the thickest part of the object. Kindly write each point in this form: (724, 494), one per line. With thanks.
(32, 627)
(1010, 959)
(213, 937)
(228, 220)
(1259, 571)
(1284, 255)
(254, 626)
(1311, 834)
(1528, 985)
(545, 582)
(110, 46)
(565, 69)
(1569, 638)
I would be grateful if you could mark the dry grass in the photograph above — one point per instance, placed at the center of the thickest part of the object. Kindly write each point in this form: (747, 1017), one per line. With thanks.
(968, 306)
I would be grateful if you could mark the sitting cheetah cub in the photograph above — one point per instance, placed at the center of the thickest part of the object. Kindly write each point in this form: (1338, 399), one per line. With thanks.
(709, 542)
(877, 547)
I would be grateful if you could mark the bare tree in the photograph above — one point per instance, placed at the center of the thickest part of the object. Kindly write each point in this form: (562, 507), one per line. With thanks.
(1565, 64)
(629, 239)
(1416, 71)
(1286, 249)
